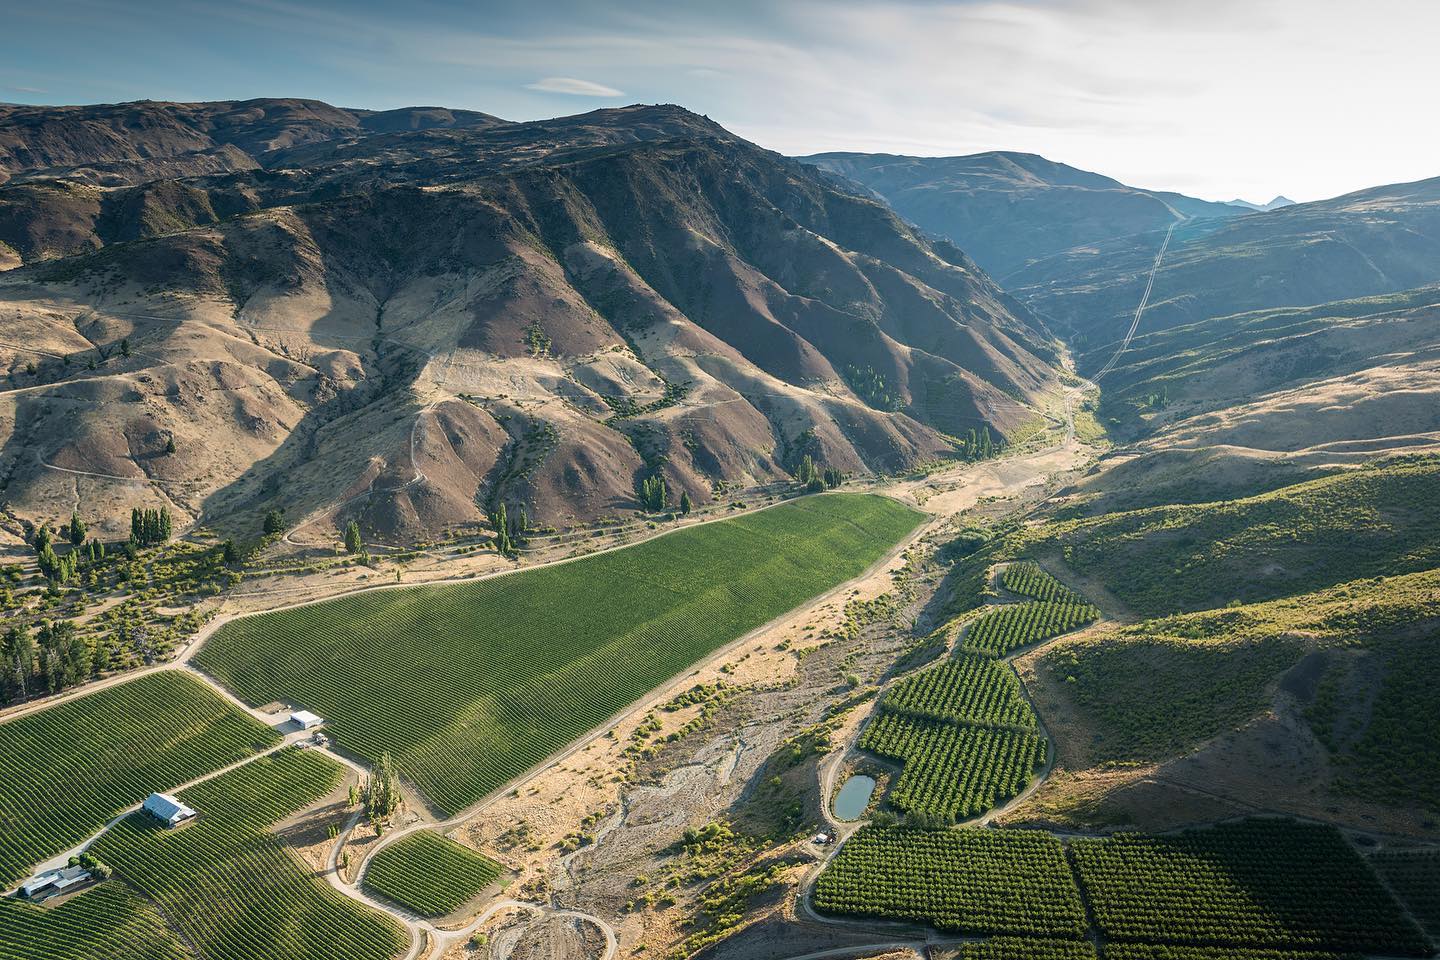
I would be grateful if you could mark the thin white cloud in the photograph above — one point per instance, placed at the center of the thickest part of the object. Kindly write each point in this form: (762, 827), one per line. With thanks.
(27, 89)
(574, 87)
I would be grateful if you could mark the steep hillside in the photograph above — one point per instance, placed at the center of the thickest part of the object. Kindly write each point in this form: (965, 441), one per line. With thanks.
(1365, 244)
(146, 140)
(413, 328)
(1008, 209)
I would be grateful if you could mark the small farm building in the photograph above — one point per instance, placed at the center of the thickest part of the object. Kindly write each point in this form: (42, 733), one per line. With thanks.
(305, 720)
(53, 882)
(167, 809)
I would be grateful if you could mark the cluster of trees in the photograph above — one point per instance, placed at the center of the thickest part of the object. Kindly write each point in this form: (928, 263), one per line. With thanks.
(978, 446)
(98, 869)
(654, 495)
(968, 688)
(815, 478)
(62, 569)
(381, 793)
(273, 523)
(353, 542)
(510, 530)
(149, 527)
(869, 384)
(102, 354)
(47, 660)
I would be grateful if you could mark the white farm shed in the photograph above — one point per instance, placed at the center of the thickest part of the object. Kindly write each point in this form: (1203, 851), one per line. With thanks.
(305, 720)
(53, 882)
(167, 809)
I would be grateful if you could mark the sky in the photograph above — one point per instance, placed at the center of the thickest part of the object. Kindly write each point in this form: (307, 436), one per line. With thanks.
(1218, 99)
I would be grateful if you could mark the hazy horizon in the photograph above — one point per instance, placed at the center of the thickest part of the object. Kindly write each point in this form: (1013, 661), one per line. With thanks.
(1220, 100)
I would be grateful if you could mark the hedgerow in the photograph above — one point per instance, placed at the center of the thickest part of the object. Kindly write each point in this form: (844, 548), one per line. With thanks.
(429, 874)
(469, 685)
(965, 881)
(72, 767)
(231, 888)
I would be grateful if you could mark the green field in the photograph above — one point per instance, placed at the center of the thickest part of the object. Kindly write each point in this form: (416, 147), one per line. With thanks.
(72, 767)
(104, 923)
(230, 888)
(469, 685)
(429, 874)
(963, 881)
(1257, 883)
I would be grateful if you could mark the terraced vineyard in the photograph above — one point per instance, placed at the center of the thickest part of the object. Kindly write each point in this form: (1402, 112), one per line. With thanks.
(953, 772)
(231, 888)
(968, 689)
(1258, 883)
(1027, 579)
(1414, 875)
(429, 874)
(103, 923)
(469, 685)
(72, 767)
(1015, 625)
(964, 731)
(964, 881)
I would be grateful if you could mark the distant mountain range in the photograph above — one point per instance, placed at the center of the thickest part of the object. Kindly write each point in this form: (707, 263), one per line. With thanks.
(1365, 244)
(1008, 209)
(1276, 204)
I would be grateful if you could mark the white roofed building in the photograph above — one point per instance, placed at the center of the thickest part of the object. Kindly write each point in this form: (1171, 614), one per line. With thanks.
(54, 882)
(305, 720)
(167, 809)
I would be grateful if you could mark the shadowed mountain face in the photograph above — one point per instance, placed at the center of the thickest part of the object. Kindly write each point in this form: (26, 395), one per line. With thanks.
(115, 144)
(1371, 243)
(409, 325)
(1008, 209)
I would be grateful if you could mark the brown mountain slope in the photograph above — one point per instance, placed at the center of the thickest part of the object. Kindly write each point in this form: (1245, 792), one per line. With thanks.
(542, 332)
(1373, 242)
(1008, 209)
(133, 142)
